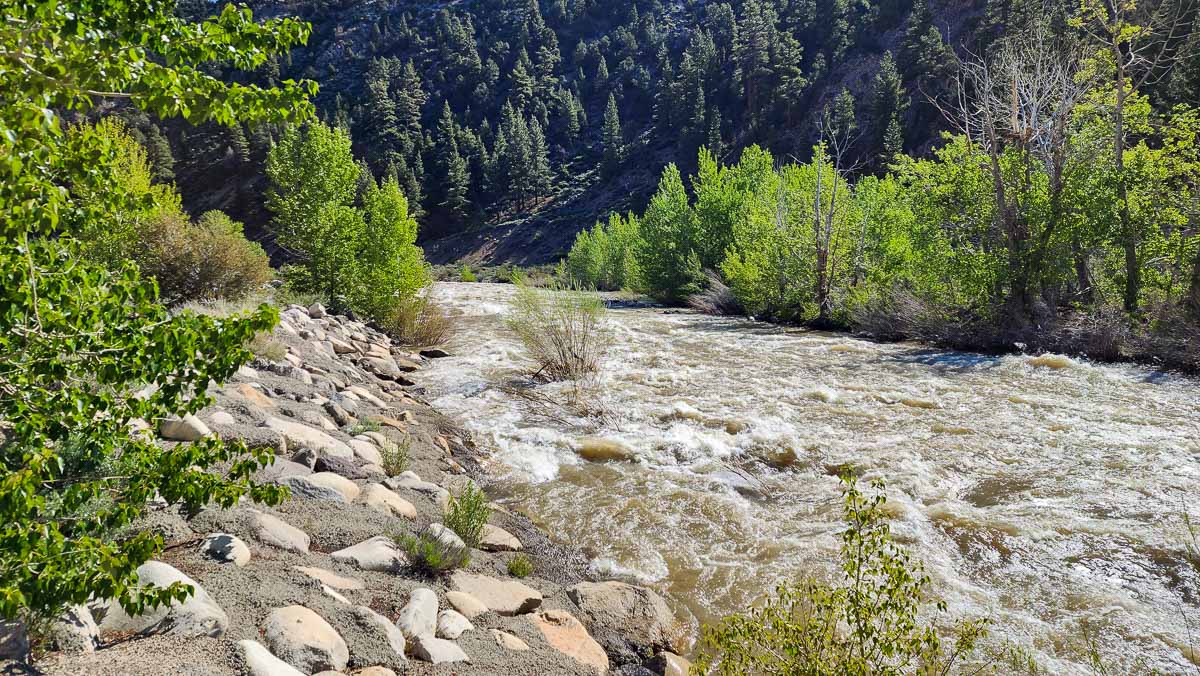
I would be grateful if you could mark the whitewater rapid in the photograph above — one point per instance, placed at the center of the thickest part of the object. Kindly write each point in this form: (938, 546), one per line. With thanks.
(1045, 493)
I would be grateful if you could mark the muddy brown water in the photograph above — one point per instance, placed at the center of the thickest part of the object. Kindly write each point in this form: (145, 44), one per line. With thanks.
(1043, 492)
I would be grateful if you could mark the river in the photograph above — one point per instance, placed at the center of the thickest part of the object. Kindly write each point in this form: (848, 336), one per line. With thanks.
(1047, 494)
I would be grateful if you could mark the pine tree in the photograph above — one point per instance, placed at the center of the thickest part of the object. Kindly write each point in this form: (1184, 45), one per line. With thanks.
(887, 105)
(540, 174)
(612, 138)
(158, 151)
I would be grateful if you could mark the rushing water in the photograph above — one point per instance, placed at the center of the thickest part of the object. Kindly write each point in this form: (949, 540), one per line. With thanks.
(1046, 494)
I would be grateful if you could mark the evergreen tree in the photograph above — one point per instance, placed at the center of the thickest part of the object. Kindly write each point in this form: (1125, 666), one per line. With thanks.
(887, 105)
(540, 174)
(612, 138)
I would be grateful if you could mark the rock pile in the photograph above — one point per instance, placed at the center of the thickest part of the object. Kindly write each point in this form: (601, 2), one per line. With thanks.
(319, 584)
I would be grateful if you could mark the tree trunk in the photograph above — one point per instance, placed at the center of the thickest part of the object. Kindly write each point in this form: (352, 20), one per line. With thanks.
(1133, 272)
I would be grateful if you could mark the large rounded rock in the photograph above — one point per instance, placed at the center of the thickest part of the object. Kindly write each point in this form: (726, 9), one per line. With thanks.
(260, 661)
(305, 640)
(305, 488)
(597, 449)
(437, 651)
(273, 531)
(469, 606)
(636, 613)
(380, 499)
(199, 615)
(347, 488)
(75, 631)
(496, 539)
(187, 428)
(339, 466)
(366, 451)
(451, 625)
(568, 636)
(379, 554)
(419, 615)
(226, 548)
(381, 630)
(505, 597)
(300, 435)
(330, 578)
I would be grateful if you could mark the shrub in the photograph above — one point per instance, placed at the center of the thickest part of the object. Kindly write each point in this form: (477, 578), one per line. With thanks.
(208, 259)
(520, 566)
(395, 457)
(265, 346)
(716, 298)
(871, 622)
(466, 275)
(432, 555)
(363, 426)
(417, 322)
(467, 514)
(561, 330)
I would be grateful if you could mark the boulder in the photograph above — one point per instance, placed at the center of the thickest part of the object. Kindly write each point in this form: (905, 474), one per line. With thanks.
(383, 367)
(601, 450)
(226, 548)
(305, 488)
(260, 661)
(298, 435)
(636, 613)
(451, 625)
(75, 631)
(437, 651)
(366, 451)
(187, 428)
(379, 554)
(383, 630)
(377, 438)
(317, 311)
(341, 346)
(340, 415)
(467, 605)
(305, 640)
(375, 671)
(273, 531)
(330, 578)
(222, 418)
(508, 641)
(281, 468)
(339, 466)
(670, 664)
(14, 641)
(495, 539)
(199, 615)
(379, 498)
(254, 395)
(419, 616)
(506, 597)
(365, 394)
(568, 636)
(317, 420)
(434, 353)
(448, 539)
(410, 481)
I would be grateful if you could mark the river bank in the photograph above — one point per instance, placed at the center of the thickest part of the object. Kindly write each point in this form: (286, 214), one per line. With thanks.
(318, 583)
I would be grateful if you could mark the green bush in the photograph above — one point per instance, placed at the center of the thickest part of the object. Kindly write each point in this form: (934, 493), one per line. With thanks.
(872, 621)
(465, 275)
(79, 342)
(561, 330)
(467, 514)
(395, 457)
(208, 259)
(191, 261)
(431, 555)
(520, 566)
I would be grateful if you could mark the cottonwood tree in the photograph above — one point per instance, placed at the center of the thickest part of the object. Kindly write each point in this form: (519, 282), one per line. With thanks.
(1138, 46)
(1016, 109)
(79, 342)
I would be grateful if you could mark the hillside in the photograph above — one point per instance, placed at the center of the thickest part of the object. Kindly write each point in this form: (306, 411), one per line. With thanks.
(513, 124)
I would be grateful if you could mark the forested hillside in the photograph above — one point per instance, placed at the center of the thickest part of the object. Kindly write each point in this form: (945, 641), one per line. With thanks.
(512, 124)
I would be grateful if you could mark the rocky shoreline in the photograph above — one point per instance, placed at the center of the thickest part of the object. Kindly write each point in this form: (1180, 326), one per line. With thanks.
(318, 583)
